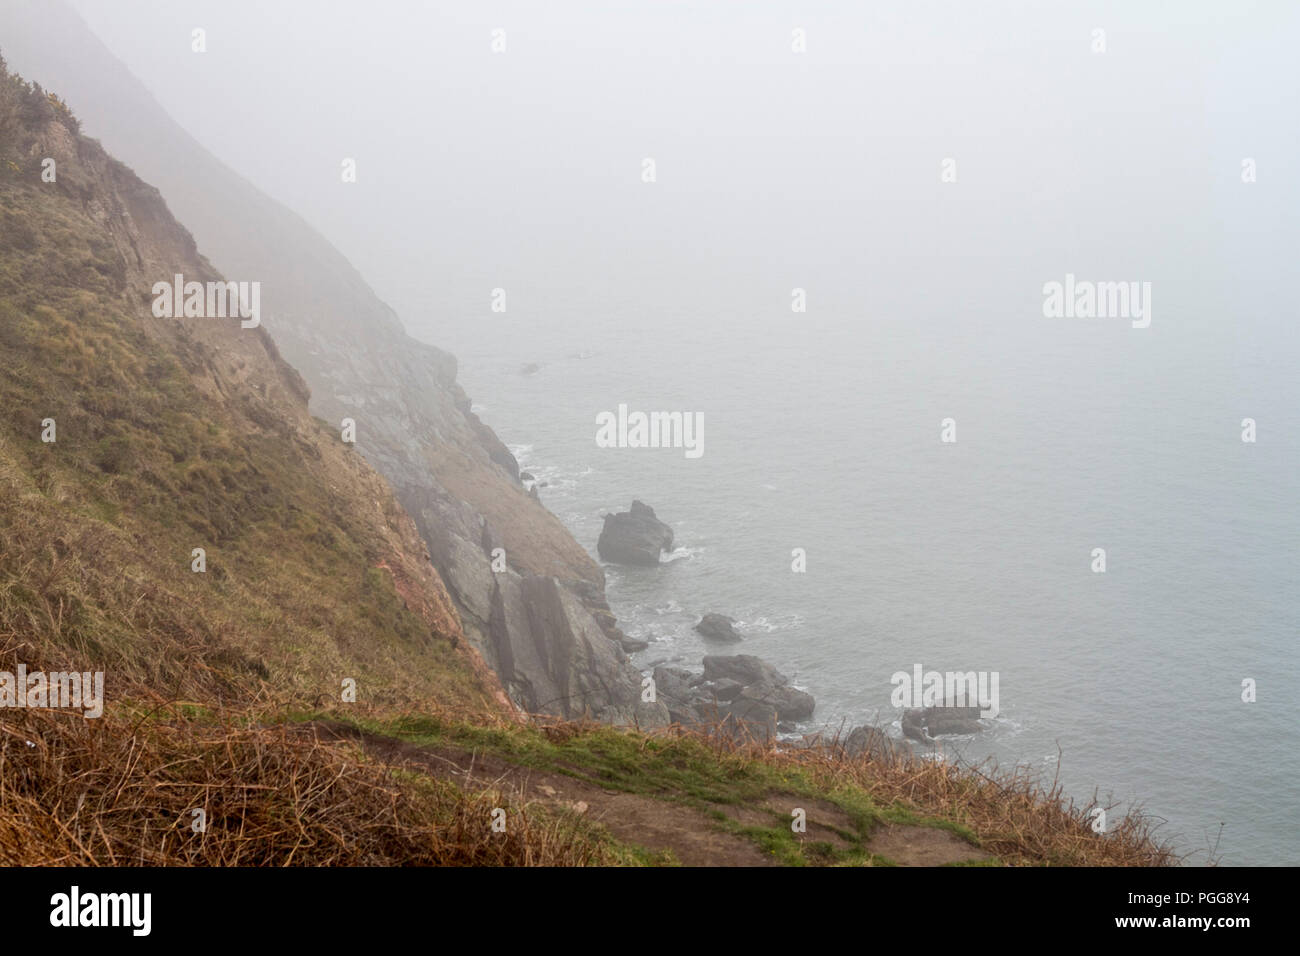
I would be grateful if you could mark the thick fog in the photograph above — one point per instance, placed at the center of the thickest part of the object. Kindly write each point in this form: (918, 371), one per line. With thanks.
(833, 230)
(522, 168)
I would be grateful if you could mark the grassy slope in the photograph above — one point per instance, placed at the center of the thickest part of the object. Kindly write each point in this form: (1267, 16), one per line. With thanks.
(176, 435)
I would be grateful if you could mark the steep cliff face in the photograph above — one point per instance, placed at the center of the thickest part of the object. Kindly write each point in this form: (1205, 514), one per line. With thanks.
(414, 424)
(130, 440)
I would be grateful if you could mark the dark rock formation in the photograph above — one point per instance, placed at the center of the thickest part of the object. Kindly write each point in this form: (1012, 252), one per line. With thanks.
(750, 714)
(634, 537)
(939, 722)
(725, 689)
(790, 704)
(673, 689)
(924, 723)
(745, 668)
(553, 657)
(747, 695)
(718, 627)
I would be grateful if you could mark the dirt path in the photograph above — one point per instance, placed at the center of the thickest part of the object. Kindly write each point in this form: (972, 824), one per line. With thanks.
(660, 825)
(657, 825)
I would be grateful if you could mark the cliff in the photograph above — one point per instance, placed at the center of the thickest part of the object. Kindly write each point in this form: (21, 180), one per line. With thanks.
(172, 513)
(543, 623)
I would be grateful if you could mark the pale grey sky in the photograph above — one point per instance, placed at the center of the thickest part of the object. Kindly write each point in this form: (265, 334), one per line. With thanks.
(479, 169)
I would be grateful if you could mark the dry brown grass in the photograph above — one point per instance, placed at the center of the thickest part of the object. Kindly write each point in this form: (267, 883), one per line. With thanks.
(121, 790)
(78, 792)
(1016, 814)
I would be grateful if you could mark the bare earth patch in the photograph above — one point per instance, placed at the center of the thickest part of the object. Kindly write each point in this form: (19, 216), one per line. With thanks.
(657, 825)
(909, 845)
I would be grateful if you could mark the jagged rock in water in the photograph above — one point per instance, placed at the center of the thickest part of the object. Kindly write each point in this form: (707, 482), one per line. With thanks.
(925, 723)
(744, 668)
(939, 723)
(742, 685)
(635, 536)
(718, 627)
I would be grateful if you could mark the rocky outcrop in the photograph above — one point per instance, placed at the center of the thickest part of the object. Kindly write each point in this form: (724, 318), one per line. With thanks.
(673, 689)
(745, 668)
(718, 627)
(553, 657)
(750, 715)
(554, 645)
(790, 703)
(742, 694)
(924, 723)
(635, 536)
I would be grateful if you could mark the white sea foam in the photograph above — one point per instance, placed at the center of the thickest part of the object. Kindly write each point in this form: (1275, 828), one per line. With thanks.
(681, 554)
(766, 625)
